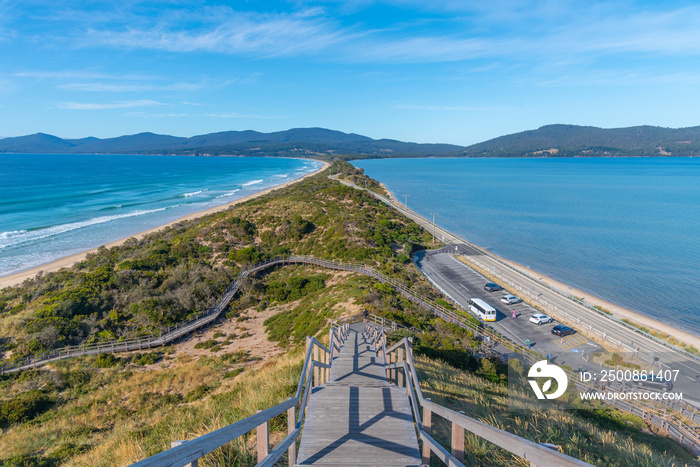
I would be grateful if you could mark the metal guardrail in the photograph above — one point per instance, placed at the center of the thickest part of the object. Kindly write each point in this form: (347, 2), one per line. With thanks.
(535, 454)
(675, 427)
(483, 252)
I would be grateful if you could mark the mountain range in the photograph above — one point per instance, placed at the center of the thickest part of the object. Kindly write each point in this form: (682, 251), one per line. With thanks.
(547, 141)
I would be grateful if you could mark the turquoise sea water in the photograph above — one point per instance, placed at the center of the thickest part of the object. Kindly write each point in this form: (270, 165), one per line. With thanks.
(53, 206)
(626, 230)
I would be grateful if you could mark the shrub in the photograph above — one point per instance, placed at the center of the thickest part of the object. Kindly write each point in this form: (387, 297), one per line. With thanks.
(206, 344)
(233, 373)
(146, 358)
(107, 360)
(24, 407)
(198, 393)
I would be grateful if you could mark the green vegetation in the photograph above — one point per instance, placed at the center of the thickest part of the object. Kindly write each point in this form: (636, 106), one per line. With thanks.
(587, 141)
(594, 433)
(663, 336)
(359, 178)
(206, 344)
(116, 409)
(143, 285)
(84, 415)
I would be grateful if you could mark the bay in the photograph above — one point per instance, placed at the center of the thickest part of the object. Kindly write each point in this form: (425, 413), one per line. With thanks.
(56, 205)
(624, 229)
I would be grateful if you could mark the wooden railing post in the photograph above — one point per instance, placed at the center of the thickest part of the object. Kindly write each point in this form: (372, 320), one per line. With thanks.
(178, 443)
(392, 372)
(458, 442)
(399, 375)
(317, 380)
(263, 441)
(427, 423)
(291, 426)
(328, 370)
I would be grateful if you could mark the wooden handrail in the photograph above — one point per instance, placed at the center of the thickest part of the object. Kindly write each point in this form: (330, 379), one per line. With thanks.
(191, 451)
(536, 454)
(198, 447)
(675, 427)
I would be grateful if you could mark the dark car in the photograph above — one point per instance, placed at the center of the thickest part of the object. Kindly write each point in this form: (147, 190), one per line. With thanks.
(491, 287)
(561, 330)
(652, 381)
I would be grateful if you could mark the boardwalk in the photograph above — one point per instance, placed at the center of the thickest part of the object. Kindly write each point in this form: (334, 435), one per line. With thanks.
(358, 418)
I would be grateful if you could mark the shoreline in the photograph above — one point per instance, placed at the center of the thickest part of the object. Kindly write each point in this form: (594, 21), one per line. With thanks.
(616, 311)
(72, 260)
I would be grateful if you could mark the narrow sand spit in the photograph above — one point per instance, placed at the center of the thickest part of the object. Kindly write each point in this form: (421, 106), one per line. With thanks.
(617, 311)
(68, 261)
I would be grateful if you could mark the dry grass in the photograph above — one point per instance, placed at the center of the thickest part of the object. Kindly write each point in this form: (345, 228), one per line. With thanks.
(126, 415)
(598, 436)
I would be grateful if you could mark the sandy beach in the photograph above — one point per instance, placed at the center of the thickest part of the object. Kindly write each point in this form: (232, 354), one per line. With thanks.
(617, 311)
(68, 261)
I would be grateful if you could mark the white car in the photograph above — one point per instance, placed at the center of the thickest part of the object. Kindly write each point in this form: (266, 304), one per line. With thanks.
(510, 299)
(539, 318)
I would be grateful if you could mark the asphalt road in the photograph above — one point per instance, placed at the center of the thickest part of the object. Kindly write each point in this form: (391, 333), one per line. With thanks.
(579, 317)
(462, 283)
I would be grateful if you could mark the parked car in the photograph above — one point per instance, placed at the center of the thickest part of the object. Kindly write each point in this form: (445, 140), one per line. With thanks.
(652, 381)
(491, 287)
(561, 330)
(510, 299)
(539, 318)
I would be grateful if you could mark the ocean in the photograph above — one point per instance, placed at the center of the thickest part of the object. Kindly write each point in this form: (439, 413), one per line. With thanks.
(54, 205)
(624, 229)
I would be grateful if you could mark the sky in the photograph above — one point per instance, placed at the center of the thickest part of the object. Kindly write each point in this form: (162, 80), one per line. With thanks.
(453, 71)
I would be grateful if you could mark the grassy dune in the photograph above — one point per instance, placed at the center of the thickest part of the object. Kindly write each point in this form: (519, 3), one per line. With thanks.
(113, 410)
(595, 434)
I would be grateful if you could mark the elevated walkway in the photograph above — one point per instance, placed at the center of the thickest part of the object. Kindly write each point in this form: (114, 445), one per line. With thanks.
(358, 418)
(359, 404)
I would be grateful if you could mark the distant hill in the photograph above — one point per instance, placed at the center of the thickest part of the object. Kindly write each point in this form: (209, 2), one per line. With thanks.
(303, 142)
(577, 141)
(547, 141)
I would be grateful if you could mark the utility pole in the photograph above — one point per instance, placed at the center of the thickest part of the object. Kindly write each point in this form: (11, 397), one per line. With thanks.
(434, 214)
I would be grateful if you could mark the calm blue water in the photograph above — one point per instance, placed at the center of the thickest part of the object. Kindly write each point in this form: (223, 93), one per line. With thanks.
(53, 206)
(626, 230)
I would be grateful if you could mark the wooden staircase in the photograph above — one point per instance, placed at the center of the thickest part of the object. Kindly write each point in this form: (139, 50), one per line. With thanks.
(358, 418)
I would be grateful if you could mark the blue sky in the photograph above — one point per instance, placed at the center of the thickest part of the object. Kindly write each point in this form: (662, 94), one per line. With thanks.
(452, 71)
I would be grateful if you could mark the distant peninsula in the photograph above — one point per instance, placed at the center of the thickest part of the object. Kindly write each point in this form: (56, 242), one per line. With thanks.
(546, 141)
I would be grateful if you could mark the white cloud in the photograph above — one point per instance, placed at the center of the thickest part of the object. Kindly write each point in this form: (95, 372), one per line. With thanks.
(151, 115)
(451, 30)
(104, 106)
(238, 115)
(121, 87)
(80, 74)
(235, 33)
(447, 108)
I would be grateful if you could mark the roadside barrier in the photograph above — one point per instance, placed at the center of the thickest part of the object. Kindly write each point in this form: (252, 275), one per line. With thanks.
(675, 427)
(457, 239)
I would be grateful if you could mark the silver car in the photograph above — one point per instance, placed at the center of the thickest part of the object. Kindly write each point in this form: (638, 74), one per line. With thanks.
(539, 318)
(510, 299)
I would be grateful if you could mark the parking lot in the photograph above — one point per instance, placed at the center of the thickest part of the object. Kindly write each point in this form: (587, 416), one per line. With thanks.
(462, 283)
